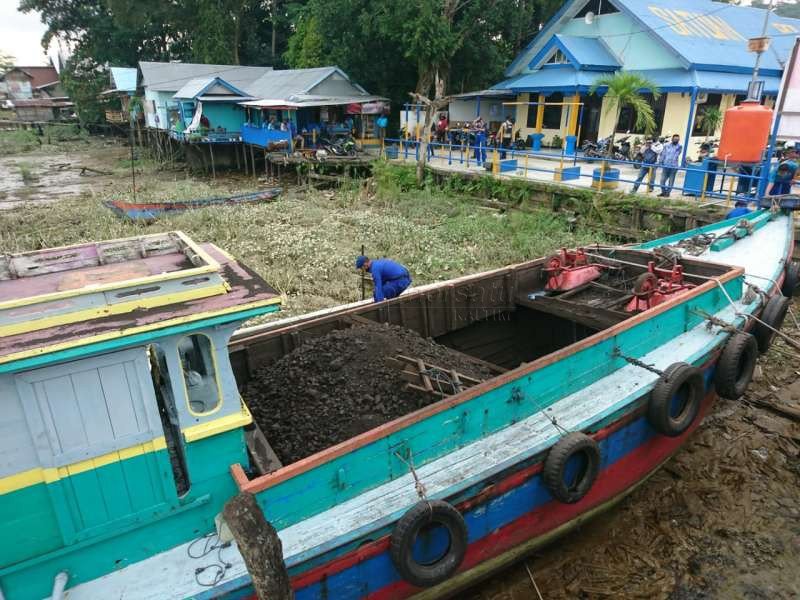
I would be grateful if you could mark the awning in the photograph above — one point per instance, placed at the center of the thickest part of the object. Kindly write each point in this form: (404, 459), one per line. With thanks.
(306, 100)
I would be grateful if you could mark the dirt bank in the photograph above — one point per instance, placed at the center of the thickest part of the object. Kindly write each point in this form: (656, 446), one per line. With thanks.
(342, 384)
(720, 520)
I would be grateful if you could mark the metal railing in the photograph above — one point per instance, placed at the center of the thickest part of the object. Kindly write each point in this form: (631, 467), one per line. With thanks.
(720, 182)
(206, 137)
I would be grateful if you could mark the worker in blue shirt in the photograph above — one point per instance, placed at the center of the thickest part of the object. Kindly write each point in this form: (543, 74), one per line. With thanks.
(670, 161)
(390, 278)
(782, 178)
(740, 209)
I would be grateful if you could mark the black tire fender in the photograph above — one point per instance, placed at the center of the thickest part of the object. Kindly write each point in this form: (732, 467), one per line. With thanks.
(685, 382)
(555, 467)
(736, 365)
(773, 315)
(425, 513)
(791, 279)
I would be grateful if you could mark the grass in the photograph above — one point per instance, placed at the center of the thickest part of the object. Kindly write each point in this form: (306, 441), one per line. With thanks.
(65, 136)
(305, 244)
(26, 173)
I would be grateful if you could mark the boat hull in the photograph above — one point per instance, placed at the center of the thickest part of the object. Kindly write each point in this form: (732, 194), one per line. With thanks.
(507, 516)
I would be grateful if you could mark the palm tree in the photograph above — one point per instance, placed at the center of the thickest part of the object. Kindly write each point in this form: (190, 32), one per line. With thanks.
(710, 120)
(625, 89)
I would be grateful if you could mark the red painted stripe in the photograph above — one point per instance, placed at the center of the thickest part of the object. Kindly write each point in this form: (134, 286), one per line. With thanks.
(616, 479)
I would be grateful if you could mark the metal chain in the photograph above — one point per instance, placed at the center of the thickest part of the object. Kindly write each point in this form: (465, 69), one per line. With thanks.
(638, 363)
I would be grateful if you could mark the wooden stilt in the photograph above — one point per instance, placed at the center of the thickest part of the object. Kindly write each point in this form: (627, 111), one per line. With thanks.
(253, 161)
(236, 152)
(260, 546)
(211, 154)
(266, 163)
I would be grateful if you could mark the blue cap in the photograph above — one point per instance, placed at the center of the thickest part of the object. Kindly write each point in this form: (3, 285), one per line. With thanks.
(360, 261)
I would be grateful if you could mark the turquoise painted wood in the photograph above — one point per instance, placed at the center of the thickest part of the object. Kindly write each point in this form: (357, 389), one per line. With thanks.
(227, 115)
(128, 341)
(758, 216)
(318, 489)
(133, 536)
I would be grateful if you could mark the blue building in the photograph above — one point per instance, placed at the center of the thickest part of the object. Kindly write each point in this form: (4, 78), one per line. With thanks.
(696, 51)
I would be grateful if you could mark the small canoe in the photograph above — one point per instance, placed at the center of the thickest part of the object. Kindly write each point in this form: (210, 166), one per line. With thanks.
(149, 211)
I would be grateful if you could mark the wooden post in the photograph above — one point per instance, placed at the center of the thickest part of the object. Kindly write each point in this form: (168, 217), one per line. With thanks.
(253, 161)
(211, 154)
(236, 152)
(259, 546)
(266, 163)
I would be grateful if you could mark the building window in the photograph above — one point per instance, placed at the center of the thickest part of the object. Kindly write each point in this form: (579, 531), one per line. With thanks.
(598, 7)
(712, 101)
(558, 58)
(552, 114)
(627, 117)
(199, 374)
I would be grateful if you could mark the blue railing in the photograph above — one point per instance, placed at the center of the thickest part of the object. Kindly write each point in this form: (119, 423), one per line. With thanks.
(713, 180)
(206, 137)
(266, 138)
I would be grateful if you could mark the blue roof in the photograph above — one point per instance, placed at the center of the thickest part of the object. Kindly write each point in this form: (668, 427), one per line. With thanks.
(567, 80)
(668, 80)
(713, 35)
(124, 78)
(582, 52)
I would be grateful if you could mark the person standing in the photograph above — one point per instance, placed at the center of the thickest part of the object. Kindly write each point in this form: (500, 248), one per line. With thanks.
(506, 135)
(390, 278)
(670, 160)
(648, 168)
(381, 123)
(479, 129)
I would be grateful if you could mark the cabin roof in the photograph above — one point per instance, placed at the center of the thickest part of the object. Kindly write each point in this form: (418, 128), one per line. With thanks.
(124, 79)
(170, 76)
(77, 298)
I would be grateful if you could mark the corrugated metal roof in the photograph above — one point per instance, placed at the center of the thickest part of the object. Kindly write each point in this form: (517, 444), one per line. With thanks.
(170, 77)
(282, 84)
(588, 51)
(307, 100)
(124, 79)
(550, 80)
(199, 86)
(715, 34)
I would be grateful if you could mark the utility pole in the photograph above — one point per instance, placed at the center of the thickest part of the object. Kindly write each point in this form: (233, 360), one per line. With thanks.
(760, 46)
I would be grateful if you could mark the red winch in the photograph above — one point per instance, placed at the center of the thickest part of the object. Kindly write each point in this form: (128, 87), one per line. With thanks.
(569, 269)
(657, 286)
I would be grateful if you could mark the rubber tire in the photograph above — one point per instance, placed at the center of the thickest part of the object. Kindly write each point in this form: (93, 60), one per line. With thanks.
(791, 279)
(557, 459)
(405, 533)
(735, 367)
(658, 409)
(773, 314)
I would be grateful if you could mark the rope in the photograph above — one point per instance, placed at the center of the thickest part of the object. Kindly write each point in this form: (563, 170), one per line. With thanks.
(440, 377)
(418, 485)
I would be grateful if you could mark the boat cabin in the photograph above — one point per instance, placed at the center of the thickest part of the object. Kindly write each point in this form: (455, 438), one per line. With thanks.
(119, 411)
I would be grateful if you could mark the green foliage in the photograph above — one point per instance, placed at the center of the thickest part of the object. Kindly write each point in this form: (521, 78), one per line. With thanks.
(306, 46)
(6, 62)
(83, 82)
(709, 119)
(625, 89)
(556, 142)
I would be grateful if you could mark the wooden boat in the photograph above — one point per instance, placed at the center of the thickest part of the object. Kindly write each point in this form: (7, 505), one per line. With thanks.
(607, 359)
(148, 211)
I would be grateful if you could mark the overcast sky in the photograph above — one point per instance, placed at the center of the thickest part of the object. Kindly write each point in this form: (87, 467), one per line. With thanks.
(21, 35)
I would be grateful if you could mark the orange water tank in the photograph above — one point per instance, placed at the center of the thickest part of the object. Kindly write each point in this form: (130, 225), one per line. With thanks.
(745, 133)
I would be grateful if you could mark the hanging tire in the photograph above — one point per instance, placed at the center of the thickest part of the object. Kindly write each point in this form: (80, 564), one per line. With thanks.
(571, 467)
(773, 315)
(675, 401)
(736, 366)
(791, 279)
(426, 515)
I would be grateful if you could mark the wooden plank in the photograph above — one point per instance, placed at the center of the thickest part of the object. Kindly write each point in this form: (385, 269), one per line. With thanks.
(596, 318)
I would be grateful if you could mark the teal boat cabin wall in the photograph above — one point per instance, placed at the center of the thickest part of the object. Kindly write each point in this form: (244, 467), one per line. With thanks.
(113, 457)
(345, 476)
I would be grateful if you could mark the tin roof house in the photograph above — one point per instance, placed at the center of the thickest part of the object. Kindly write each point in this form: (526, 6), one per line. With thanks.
(696, 51)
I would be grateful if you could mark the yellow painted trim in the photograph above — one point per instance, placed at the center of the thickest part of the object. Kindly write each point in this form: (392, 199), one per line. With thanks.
(112, 309)
(134, 330)
(217, 426)
(574, 109)
(212, 266)
(38, 475)
(540, 114)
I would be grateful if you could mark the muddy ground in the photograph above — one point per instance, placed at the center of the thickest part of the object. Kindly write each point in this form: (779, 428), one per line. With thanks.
(334, 387)
(721, 520)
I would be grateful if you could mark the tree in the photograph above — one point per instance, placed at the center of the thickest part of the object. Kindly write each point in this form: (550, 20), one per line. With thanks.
(709, 120)
(84, 81)
(625, 89)
(6, 62)
(431, 108)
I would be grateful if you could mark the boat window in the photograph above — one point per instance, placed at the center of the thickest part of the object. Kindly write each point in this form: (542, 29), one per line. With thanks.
(199, 374)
